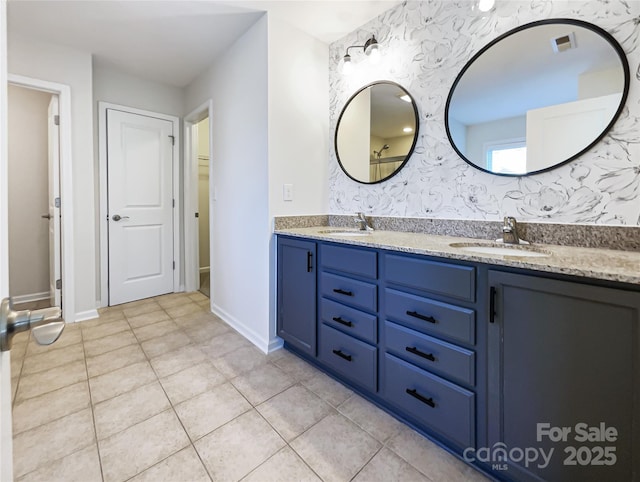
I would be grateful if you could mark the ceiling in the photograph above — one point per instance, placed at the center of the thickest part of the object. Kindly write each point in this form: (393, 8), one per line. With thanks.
(173, 41)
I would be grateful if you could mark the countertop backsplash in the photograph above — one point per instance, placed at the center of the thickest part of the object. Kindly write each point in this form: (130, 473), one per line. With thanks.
(423, 47)
(625, 238)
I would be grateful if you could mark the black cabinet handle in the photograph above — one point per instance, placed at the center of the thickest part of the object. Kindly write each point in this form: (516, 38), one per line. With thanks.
(415, 314)
(415, 351)
(342, 292)
(414, 393)
(342, 355)
(337, 319)
(492, 304)
(309, 261)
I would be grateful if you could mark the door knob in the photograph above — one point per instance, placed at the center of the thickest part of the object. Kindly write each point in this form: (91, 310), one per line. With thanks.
(117, 217)
(47, 324)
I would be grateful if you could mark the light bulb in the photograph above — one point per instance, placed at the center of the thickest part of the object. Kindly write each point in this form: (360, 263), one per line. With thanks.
(485, 5)
(347, 66)
(407, 129)
(374, 56)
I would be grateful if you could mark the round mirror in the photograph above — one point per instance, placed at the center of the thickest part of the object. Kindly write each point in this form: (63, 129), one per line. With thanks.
(376, 133)
(536, 97)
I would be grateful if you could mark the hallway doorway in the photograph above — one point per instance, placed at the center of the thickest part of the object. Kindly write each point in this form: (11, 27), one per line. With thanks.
(204, 264)
(199, 196)
(34, 198)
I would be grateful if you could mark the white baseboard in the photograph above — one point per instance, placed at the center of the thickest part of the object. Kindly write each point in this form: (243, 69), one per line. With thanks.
(275, 344)
(204, 269)
(86, 315)
(266, 346)
(31, 297)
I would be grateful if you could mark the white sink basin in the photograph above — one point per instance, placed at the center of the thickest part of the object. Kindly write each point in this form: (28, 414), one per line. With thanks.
(344, 232)
(516, 250)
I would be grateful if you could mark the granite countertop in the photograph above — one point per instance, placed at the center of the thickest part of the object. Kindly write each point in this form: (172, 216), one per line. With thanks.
(604, 264)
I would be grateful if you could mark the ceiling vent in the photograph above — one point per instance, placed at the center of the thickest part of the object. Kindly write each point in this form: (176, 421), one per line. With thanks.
(564, 42)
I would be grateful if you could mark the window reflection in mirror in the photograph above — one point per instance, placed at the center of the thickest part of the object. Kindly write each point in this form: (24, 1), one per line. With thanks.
(537, 97)
(376, 132)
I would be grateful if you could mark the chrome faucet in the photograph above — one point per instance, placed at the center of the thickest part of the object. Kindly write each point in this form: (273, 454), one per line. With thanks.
(364, 224)
(510, 231)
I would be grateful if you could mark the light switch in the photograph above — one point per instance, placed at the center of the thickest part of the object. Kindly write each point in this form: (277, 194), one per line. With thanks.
(287, 192)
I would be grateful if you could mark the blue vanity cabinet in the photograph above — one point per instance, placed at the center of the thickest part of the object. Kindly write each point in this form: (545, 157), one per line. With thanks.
(564, 361)
(348, 297)
(428, 345)
(297, 291)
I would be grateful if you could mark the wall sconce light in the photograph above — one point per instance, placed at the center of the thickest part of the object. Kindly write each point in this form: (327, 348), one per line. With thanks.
(370, 48)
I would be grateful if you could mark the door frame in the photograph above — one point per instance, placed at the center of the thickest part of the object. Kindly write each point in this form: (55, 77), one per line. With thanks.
(67, 259)
(104, 201)
(191, 235)
(6, 430)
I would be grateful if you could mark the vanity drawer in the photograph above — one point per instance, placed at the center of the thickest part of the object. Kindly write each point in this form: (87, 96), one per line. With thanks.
(351, 321)
(431, 400)
(349, 291)
(438, 356)
(354, 261)
(353, 359)
(441, 278)
(430, 316)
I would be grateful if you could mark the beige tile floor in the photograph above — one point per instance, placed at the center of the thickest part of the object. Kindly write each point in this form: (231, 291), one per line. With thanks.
(163, 390)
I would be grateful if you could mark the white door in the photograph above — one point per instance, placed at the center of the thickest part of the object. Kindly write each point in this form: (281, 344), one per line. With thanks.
(140, 206)
(6, 471)
(6, 461)
(54, 200)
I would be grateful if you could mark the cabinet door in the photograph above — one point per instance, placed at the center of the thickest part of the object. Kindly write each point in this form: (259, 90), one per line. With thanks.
(564, 362)
(297, 293)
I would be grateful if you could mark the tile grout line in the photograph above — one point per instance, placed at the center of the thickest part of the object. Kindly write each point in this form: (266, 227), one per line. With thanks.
(191, 443)
(91, 405)
(287, 443)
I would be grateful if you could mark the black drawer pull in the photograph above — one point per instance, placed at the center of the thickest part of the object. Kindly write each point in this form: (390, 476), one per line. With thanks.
(342, 292)
(337, 319)
(415, 351)
(414, 393)
(415, 314)
(342, 355)
(309, 261)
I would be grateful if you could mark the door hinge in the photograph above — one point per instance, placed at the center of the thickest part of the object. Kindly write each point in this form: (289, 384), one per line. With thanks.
(173, 203)
(174, 265)
(197, 215)
(56, 120)
(57, 202)
(173, 140)
(58, 284)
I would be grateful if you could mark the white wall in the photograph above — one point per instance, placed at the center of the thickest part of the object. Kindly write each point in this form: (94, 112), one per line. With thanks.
(298, 120)
(117, 87)
(237, 85)
(599, 83)
(28, 192)
(270, 127)
(73, 68)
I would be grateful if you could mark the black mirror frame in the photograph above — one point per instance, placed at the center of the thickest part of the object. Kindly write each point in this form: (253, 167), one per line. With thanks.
(581, 23)
(415, 137)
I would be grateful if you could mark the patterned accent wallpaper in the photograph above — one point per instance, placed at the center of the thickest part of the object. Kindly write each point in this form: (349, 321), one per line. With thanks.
(424, 44)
